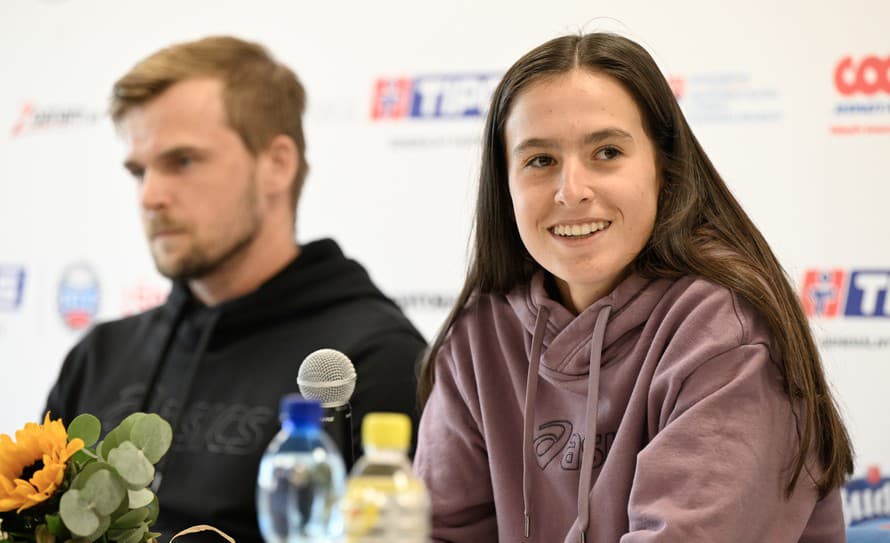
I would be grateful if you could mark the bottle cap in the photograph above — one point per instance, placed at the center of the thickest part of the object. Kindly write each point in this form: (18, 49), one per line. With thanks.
(386, 431)
(300, 412)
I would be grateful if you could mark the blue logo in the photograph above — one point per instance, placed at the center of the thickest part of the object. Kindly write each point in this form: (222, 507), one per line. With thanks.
(12, 287)
(453, 96)
(867, 498)
(78, 296)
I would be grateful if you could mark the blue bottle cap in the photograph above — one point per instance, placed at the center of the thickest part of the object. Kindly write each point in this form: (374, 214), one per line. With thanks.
(300, 412)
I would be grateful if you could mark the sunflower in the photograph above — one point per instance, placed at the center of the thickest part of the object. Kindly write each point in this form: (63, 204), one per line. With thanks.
(32, 467)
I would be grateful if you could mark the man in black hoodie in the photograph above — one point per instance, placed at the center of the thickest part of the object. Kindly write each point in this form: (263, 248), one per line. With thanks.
(214, 136)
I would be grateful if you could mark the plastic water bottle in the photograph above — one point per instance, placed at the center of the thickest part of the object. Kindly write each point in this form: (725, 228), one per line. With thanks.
(301, 479)
(385, 502)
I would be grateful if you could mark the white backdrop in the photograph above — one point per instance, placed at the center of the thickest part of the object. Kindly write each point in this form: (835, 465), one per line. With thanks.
(807, 154)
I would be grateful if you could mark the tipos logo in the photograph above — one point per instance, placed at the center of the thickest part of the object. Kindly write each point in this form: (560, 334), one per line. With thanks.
(556, 439)
(450, 96)
(829, 293)
(868, 75)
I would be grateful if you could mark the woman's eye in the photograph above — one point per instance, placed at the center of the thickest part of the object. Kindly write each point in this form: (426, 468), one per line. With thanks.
(608, 153)
(540, 161)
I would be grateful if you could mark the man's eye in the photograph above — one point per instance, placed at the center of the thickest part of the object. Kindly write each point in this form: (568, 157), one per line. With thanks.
(540, 161)
(183, 161)
(608, 153)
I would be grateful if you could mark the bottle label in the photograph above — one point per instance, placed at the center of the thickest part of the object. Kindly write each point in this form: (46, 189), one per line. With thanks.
(386, 510)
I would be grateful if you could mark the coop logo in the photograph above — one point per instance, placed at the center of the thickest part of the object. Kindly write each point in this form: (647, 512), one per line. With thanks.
(32, 118)
(78, 296)
(869, 75)
(445, 96)
(853, 293)
(867, 498)
(12, 287)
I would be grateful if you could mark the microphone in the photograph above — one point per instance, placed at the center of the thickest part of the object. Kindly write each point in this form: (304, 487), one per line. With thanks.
(328, 376)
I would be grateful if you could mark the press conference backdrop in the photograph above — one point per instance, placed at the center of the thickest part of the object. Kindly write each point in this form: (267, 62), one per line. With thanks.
(791, 101)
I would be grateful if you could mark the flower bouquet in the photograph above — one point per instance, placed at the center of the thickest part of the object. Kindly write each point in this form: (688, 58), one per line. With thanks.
(58, 485)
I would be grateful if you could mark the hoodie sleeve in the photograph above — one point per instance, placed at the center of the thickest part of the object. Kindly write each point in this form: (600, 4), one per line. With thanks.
(722, 442)
(452, 461)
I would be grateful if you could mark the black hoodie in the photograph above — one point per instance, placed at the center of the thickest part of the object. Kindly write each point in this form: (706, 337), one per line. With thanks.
(229, 365)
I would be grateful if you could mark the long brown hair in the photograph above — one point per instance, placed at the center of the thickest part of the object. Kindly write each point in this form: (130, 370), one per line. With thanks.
(700, 229)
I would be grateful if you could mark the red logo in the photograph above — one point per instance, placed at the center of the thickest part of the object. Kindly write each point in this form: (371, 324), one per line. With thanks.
(821, 293)
(869, 76)
(392, 98)
(678, 86)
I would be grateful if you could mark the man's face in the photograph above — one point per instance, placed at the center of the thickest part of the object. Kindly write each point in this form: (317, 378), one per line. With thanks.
(197, 180)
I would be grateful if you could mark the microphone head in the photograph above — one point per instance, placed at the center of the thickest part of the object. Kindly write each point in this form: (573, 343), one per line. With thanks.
(327, 376)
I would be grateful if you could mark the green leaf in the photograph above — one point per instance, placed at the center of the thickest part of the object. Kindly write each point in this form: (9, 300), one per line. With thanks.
(118, 435)
(140, 498)
(153, 509)
(89, 470)
(131, 520)
(152, 435)
(43, 535)
(84, 456)
(77, 515)
(104, 492)
(56, 527)
(100, 531)
(86, 427)
(135, 535)
(132, 465)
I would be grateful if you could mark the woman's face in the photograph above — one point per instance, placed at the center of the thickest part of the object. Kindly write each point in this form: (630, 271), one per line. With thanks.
(583, 181)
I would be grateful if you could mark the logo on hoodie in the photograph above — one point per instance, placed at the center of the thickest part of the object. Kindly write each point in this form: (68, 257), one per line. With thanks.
(556, 439)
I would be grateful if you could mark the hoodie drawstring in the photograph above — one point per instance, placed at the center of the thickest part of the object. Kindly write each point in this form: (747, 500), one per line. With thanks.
(531, 391)
(593, 389)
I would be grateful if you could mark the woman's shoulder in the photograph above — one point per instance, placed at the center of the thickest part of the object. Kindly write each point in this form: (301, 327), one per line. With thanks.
(700, 305)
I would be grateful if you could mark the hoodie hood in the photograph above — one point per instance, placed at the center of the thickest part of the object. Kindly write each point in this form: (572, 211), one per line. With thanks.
(321, 276)
(566, 336)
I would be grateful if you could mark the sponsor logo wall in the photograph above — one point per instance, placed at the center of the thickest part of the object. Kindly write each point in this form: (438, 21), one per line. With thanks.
(393, 132)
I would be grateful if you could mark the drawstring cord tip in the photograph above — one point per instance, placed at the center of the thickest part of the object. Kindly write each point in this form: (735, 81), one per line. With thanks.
(527, 525)
(583, 537)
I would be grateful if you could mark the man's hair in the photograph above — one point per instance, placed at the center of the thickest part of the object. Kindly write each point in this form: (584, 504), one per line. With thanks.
(262, 97)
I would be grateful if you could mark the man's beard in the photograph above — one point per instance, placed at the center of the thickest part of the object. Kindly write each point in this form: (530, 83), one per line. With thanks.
(200, 260)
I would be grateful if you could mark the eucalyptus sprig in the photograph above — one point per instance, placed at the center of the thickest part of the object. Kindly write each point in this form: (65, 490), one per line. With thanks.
(108, 497)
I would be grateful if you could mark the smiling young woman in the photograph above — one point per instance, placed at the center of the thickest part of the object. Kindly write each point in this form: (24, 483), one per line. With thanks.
(626, 347)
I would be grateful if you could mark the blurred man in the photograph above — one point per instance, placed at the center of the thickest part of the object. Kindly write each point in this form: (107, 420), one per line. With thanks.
(215, 144)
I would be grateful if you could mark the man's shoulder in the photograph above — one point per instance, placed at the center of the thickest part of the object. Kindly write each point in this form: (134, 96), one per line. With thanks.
(120, 331)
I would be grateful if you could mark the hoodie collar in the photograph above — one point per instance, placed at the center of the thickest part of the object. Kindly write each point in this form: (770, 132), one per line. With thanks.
(566, 336)
(320, 276)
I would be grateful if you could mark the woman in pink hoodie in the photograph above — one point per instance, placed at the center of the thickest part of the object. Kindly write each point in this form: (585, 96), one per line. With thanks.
(627, 360)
